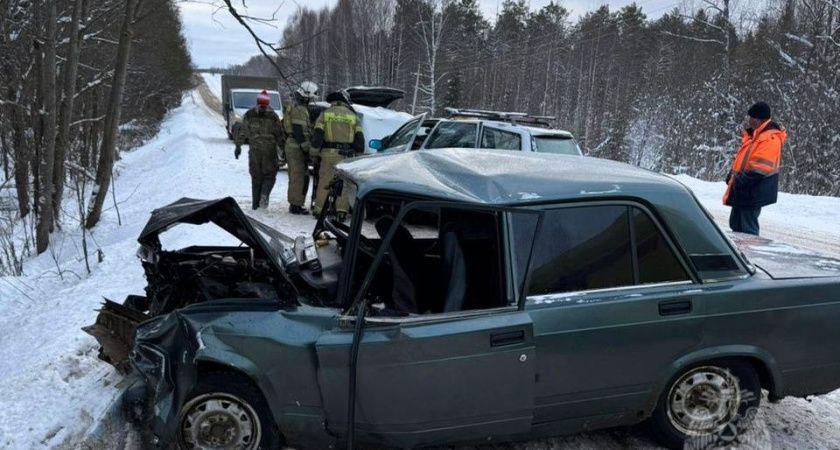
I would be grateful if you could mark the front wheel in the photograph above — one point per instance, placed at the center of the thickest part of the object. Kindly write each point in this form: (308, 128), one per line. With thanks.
(226, 412)
(707, 405)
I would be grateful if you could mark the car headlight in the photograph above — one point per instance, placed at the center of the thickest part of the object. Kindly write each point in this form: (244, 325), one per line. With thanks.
(237, 117)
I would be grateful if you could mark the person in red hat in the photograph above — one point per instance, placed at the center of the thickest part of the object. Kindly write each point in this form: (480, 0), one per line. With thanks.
(262, 128)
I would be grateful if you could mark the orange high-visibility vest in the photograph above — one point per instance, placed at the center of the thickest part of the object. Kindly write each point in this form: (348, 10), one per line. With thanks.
(760, 151)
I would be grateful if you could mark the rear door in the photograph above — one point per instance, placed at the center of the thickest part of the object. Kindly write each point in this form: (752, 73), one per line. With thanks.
(431, 379)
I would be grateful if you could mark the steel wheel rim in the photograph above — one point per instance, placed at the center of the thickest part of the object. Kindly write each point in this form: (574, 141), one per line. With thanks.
(704, 401)
(219, 421)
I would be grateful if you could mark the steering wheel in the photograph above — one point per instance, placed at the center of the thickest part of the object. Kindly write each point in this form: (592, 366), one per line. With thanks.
(341, 231)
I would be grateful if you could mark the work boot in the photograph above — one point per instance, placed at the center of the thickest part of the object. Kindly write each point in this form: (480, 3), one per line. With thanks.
(300, 210)
(264, 202)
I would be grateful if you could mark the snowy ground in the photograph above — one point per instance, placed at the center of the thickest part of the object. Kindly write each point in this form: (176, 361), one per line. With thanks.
(54, 390)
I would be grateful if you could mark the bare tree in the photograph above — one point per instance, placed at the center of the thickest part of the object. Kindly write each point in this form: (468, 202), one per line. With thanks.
(68, 97)
(107, 151)
(47, 157)
(432, 28)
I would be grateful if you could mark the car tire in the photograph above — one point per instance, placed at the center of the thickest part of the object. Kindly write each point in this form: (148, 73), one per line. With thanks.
(226, 411)
(707, 405)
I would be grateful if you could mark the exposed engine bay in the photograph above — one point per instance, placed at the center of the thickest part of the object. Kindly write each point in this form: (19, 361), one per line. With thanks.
(256, 269)
(198, 274)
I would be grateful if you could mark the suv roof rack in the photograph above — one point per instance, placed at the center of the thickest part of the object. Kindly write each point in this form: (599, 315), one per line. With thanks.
(515, 118)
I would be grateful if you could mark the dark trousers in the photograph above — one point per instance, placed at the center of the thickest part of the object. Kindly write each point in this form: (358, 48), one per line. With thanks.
(744, 220)
(261, 186)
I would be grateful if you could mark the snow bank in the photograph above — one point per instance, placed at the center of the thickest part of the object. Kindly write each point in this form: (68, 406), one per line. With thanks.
(804, 220)
(214, 83)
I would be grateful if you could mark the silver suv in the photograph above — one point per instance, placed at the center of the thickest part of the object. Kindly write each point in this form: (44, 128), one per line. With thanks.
(484, 129)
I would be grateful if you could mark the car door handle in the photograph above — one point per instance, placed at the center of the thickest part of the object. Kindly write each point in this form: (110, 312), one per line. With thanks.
(674, 307)
(507, 338)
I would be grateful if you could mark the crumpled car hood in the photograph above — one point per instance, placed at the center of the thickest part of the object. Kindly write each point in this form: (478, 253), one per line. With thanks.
(226, 214)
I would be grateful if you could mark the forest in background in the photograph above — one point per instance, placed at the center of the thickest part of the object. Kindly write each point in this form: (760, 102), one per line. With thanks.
(669, 94)
(79, 80)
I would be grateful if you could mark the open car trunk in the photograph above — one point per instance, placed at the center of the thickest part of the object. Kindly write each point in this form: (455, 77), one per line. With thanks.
(781, 260)
(374, 96)
(178, 278)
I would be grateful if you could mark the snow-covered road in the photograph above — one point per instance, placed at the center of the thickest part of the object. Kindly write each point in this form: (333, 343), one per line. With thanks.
(54, 389)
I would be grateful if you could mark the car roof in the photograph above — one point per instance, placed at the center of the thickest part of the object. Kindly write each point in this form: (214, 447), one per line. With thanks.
(504, 178)
(535, 131)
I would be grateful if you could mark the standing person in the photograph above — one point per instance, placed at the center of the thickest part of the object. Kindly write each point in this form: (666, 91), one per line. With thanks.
(297, 127)
(262, 128)
(337, 136)
(314, 113)
(753, 181)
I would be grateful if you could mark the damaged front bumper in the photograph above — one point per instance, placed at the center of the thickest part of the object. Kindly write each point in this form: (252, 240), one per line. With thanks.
(115, 328)
(161, 379)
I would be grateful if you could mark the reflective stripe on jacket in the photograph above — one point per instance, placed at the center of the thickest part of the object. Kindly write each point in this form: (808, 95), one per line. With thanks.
(339, 124)
(754, 178)
(296, 115)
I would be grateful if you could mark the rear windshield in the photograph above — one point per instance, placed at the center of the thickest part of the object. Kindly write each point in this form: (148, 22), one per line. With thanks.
(453, 135)
(561, 145)
(249, 100)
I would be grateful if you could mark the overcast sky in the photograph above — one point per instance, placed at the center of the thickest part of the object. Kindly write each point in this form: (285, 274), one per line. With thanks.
(215, 39)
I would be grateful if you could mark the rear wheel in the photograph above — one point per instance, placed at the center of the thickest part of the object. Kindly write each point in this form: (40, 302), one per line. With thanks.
(226, 412)
(707, 405)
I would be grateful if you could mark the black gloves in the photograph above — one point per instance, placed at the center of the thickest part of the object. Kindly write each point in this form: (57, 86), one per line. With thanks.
(237, 152)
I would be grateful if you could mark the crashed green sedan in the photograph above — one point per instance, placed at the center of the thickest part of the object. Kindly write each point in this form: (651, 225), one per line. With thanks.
(499, 296)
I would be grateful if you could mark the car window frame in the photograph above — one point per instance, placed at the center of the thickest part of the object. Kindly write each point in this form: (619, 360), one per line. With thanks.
(522, 137)
(677, 250)
(535, 147)
(347, 314)
(428, 140)
(413, 127)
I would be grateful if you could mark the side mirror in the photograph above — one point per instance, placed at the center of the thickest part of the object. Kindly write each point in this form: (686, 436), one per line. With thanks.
(375, 144)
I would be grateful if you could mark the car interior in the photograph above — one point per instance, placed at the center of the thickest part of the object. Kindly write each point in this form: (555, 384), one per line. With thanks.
(440, 260)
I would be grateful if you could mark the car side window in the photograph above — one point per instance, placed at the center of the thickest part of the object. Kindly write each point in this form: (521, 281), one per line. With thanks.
(580, 249)
(500, 140)
(656, 260)
(401, 137)
(599, 247)
(453, 135)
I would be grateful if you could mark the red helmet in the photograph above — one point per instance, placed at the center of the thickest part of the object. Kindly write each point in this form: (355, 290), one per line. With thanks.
(262, 98)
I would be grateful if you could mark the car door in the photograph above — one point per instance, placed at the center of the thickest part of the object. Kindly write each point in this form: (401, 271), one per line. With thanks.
(433, 378)
(403, 138)
(613, 307)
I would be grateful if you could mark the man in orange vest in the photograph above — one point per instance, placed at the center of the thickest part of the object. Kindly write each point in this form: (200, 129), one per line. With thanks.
(753, 181)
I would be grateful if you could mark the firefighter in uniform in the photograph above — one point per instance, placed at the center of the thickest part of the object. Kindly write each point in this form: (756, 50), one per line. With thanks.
(337, 136)
(262, 128)
(297, 127)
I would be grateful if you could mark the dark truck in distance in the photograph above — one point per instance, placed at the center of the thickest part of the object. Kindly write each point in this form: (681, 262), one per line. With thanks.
(554, 294)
